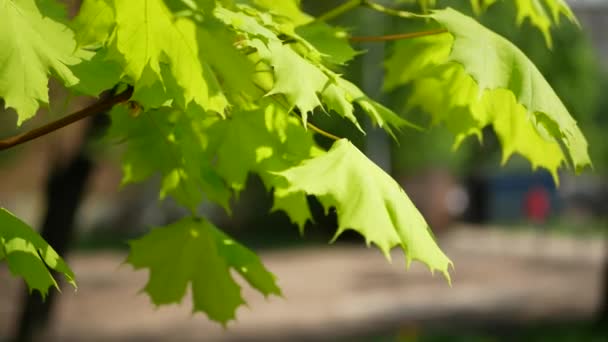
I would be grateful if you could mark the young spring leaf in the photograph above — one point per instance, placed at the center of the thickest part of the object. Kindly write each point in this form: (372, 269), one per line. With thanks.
(262, 140)
(94, 22)
(32, 45)
(314, 84)
(498, 64)
(289, 9)
(368, 201)
(475, 97)
(330, 41)
(158, 52)
(193, 252)
(542, 14)
(29, 256)
(173, 144)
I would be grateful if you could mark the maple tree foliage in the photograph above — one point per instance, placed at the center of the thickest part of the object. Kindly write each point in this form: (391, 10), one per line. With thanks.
(205, 92)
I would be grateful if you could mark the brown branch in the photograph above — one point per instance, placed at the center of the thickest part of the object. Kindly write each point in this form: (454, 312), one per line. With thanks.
(398, 36)
(98, 107)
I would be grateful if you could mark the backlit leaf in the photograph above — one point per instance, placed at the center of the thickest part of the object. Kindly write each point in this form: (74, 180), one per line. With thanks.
(32, 46)
(368, 201)
(476, 97)
(192, 253)
(29, 256)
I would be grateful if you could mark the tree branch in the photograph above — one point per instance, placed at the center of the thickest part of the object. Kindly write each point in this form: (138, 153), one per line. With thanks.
(98, 107)
(389, 11)
(398, 36)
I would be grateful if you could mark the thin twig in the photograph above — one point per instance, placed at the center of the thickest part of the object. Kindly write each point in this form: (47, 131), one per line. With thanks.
(399, 36)
(389, 11)
(308, 124)
(340, 10)
(322, 132)
(98, 107)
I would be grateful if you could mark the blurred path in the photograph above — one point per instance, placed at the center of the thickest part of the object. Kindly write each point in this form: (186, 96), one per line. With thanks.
(342, 291)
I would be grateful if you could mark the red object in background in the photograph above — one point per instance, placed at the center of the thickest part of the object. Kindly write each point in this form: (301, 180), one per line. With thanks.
(537, 205)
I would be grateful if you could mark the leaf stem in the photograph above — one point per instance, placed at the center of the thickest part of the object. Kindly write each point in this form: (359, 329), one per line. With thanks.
(308, 124)
(322, 132)
(98, 107)
(340, 10)
(389, 11)
(398, 36)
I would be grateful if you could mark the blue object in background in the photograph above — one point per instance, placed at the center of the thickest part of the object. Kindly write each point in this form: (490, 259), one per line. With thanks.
(507, 194)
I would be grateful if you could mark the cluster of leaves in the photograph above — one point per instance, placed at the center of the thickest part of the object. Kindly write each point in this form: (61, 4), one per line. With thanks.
(224, 88)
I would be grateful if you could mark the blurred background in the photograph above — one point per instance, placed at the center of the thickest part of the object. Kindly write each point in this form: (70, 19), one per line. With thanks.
(531, 258)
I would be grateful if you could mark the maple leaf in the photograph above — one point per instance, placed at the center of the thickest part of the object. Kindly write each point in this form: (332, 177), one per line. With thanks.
(147, 35)
(368, 201)
(265, 139)
(294, 204)
(542, 14)
(32, 46)
(96, 73)
(331, 42)
(481, 5)
(451, 98)
(537, 12)
(193, 252)
(172, 144)
(29, 256)
(289, 9)
(498, 64)
(94, 22)
(236, 71)
(300, 91)
(475, 97)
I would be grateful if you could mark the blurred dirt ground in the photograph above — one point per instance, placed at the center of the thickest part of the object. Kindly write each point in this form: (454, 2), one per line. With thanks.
(341, 291)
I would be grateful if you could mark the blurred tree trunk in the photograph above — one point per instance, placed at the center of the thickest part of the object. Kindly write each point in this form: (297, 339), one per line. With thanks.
(603, 313)
(64, 192)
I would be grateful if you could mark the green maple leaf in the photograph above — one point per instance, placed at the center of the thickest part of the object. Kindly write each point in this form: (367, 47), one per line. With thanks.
(33, 46)
(262, 140)
(543, 14)
(193, 252)
(266, 140)
(294, 204)
(337, 93)
(300, 91)
(368, 201)
(452, 98)
(498, 64)
(380, 115)
(147, 35)
(96, 73)
(236, 71)
(481, 5)
(315, 83)
(94, 22)
(29, 256)
(475, 67)
(173, 144)
(289, 9)
(331, 42)
(245, 23)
